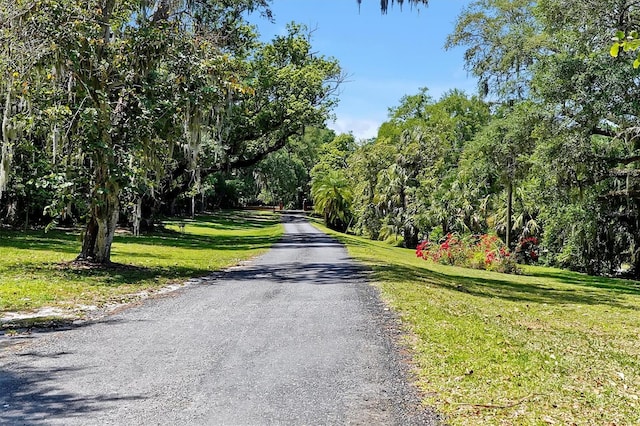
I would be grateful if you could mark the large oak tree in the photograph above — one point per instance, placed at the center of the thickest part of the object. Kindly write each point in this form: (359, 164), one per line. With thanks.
(120, 93)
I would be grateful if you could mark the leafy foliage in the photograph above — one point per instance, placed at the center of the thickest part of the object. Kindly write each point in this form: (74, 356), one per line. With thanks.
(332, 197)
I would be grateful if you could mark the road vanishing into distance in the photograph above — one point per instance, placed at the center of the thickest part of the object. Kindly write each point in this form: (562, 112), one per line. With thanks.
(294, 337)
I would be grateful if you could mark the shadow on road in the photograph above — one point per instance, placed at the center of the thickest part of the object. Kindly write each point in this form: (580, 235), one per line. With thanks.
(30, 396)
(299, 273)
(302, 240)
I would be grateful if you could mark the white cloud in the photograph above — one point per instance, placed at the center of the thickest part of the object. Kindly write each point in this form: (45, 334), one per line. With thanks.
(362, 128)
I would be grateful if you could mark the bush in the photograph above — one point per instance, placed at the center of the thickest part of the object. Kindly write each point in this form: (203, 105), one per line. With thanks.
(478, 252)
(527, 250)
(394, 241)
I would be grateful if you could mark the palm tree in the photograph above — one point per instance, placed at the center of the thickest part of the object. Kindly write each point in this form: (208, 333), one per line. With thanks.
(332, 196)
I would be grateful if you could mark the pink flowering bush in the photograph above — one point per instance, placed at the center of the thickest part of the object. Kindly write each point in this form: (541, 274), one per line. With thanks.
(479, 252)
(450, 251)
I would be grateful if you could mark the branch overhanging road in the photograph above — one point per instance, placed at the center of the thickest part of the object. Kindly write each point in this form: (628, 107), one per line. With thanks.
(296, 337)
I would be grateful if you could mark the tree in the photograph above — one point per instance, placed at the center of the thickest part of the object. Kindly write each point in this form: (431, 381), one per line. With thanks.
(331, 189)
(443, 200)
(334, 155)
(114, 51)
(285, 176)
(365, 167)
(332, 196)
(506, 144)
(133, 99)
(287, 89)
(503, 40)
(628, 43)
(429, 138)
(293, 88)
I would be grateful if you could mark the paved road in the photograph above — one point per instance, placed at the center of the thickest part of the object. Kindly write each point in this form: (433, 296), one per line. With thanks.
(295, 337)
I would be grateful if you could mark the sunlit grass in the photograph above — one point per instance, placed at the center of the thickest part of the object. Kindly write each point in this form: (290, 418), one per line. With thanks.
(34, 271)
(548, 347)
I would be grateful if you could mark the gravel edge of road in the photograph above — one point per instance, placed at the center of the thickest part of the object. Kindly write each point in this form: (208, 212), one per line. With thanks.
(410, 410)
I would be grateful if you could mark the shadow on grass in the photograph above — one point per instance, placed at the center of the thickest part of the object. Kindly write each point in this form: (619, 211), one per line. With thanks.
(31, 396)
(200, 242)
(229, 220)
(59, 241)
(68, 242)
(574, 278)
(579, 293)
(563, 287)
(117, 275)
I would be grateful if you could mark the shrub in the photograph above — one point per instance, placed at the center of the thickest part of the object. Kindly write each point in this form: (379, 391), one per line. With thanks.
(479, 252)
(527, 250)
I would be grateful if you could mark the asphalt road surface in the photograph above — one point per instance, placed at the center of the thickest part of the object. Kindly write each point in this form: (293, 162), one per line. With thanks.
(295, 337)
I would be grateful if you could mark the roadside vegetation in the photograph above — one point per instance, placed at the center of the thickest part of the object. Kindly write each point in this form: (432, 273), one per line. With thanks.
(546, 347)
(36, 269)
(548, 150)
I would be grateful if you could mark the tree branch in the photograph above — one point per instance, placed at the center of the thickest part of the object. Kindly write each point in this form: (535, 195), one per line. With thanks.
(624, 160)
(624, 173)
(622, 193)
(246, 162)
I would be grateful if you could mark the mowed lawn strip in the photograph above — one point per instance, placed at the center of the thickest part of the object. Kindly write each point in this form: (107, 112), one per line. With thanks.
(34, 270)
(548, 347)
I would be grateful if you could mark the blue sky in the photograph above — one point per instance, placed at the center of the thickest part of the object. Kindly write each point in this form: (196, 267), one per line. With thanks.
(385, 56)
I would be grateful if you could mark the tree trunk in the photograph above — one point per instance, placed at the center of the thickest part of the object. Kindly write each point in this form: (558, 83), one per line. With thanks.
(98, 237)
(104, 209)
(6, 150)
(137, 217)
(509, 213)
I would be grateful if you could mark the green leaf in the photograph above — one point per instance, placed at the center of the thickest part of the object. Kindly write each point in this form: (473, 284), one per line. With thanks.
(615, 49)
(636, 63)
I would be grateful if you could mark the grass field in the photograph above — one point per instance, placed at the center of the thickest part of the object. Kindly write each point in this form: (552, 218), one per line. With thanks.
(34, 272)
(548, 347)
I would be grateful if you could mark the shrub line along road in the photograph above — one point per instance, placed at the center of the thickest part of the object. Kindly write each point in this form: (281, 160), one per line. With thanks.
(296, 336)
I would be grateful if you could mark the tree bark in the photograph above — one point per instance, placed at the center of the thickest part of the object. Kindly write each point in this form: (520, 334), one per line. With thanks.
(105, 207)
(98, 237)
(137, 217)
(6, 151)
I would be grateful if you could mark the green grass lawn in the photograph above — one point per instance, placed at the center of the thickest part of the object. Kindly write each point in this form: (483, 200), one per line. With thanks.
(548, 347)
(34, 273)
